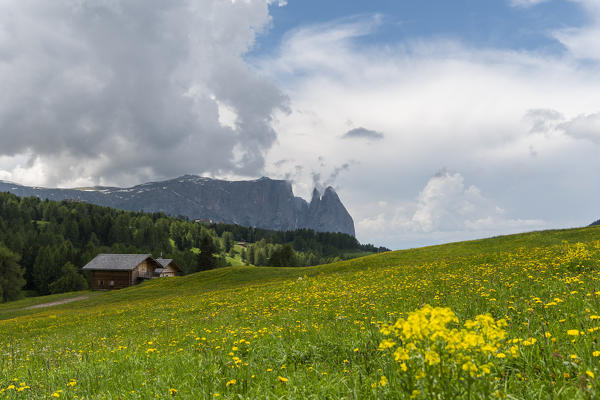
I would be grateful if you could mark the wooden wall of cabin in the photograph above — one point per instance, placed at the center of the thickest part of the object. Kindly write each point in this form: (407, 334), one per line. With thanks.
(145, 270)
(103, 279)
(170, 271)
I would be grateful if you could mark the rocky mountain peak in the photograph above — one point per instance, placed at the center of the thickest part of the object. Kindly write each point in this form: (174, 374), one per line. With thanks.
(315, 199)
(327, 212)
(330, 193)
(262, 203)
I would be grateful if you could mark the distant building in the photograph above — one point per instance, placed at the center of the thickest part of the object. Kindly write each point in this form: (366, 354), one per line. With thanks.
(118, 271)
(169, 268)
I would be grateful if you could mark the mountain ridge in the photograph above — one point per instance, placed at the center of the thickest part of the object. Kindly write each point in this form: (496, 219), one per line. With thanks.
(263, 203)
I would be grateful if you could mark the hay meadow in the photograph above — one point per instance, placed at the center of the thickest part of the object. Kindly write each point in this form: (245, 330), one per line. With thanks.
(515, 317)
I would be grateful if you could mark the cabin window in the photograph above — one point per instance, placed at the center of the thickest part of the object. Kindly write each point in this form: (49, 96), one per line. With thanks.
(112, 284)
(101, 284)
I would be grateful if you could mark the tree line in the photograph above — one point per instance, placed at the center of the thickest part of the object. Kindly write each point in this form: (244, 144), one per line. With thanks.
(44, 244)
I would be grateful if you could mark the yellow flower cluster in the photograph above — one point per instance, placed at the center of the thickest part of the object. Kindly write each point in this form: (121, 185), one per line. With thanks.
(432, 337)
(14, 387)
(578, 256)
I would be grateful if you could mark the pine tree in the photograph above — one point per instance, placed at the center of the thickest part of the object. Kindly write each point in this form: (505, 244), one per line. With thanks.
(227, 241)
(283, 257)
(206, 258)
(11, 276)
(46, 269)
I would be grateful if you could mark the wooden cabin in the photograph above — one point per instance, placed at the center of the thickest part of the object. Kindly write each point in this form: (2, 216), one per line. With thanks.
(169, 268)
(117, 271)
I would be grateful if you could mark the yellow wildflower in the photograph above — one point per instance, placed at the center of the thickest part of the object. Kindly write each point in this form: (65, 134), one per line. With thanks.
(386, 344)
(401, 354)
(589, 373)
(432, 358)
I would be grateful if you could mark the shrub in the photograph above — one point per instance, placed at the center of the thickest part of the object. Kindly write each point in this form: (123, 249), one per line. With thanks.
(70, 281)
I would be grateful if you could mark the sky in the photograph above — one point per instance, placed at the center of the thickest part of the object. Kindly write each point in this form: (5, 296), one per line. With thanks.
(435, 121)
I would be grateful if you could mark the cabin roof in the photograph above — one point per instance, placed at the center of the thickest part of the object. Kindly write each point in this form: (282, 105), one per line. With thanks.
(165, 262)
(116, 262)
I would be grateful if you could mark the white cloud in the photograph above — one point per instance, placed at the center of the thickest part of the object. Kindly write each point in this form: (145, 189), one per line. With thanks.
(583, 127)
(445, 210)
(446, 204)
(583, 42)
(526, 3)
(551, 123)
(440, 104)
(543, 120)
(123, 91)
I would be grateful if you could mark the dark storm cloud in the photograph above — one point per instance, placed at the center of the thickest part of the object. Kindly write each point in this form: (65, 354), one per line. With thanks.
(362, 133)
(131, 89)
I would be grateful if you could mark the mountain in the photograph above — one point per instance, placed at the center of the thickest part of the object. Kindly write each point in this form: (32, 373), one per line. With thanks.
(596, 223)
(262, 203)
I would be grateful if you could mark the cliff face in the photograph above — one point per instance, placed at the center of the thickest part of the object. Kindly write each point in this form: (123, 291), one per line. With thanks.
(328, 211)
(263, 203)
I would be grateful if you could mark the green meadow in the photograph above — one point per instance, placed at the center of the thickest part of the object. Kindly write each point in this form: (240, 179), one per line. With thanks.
(513, 317)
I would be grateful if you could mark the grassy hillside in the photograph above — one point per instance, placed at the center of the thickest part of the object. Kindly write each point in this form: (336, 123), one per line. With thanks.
(511, 317)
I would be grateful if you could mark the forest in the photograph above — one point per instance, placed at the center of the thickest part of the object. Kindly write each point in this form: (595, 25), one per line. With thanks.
(44, 244)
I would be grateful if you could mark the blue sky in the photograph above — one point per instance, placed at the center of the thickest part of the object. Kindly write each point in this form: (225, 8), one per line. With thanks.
(490, 23)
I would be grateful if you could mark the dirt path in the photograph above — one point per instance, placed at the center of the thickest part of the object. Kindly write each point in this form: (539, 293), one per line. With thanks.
(56, 303)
